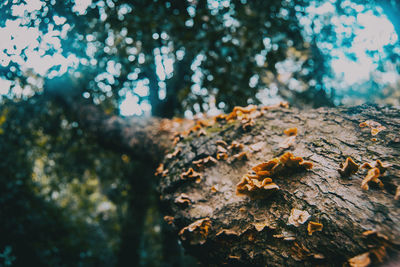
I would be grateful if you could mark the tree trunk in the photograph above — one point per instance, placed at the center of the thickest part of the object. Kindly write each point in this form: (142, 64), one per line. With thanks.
(219, 227)
(238, 230)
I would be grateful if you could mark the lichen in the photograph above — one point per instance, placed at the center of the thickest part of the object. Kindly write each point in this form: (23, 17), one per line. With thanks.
(191, 174)
(197, 232)
(207, 161)
(255, 188)
(173, 154)
(183, 200)
(241, 156)
(348, 168)
(160, 171)
(291, 131)
(375, 170)
(362, 260)
(314, 227)
(375, 127)
(258, 183)
(236, 146)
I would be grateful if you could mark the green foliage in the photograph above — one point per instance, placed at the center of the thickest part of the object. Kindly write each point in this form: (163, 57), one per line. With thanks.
(62, 205)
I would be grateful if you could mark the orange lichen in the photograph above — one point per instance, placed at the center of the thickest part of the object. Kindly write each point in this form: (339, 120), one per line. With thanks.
(202, 132)
(375, 170)
(375, 127)
(372, 175)
(222, 156)
(240, 156)
(227, 232)
(236, 146)
(194, 129)
(361, 260)
(204, 123)
(291, 131)
(266, 166)
(382, 166)
(379, 253)
(287, 160)
(254, 188)
(169, 219)
(375, 131)
(377, 164)
(205, 162)
(183, 200)
(221, 149)
(247, 124)
(173, 154)
(348, 168)
(176, 140)
(220, 117)
(284, 162)
(248, 109)
(221, 143)
(282, 104)
(313, 227)
(234, 257)
(367, 165)
(160, 171)
(191, 174)
(214, 189)
(298, 217)
(197, 232)
(260, 185)
(241, 113)
(259, 226)
(375, 235)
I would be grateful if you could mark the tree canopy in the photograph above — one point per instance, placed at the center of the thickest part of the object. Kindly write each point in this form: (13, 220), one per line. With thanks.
(160, 58)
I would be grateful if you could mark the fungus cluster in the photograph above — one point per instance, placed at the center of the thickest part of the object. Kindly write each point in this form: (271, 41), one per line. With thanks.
(173, 154)
(160, 171)
(258, 183)
(375, 170)
(375, 127)
(234, 148)
(183, 200)
(282, 104)
(245, 115)
(199, 127)
(207, 161)
(197, 232)
(169, 219)
(348, 168)
(361, 260)
(364, 259)
(192, 175)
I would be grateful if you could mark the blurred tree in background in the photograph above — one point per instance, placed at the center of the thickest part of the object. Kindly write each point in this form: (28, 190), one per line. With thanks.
(67, 200)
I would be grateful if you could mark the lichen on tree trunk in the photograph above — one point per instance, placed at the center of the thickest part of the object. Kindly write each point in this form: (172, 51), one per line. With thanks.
(223, 228)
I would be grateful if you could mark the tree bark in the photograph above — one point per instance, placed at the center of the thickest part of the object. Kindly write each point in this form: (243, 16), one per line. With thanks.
(244, 231)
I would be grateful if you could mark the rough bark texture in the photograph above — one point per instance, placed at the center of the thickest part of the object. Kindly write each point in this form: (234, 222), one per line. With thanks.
(256, 231)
